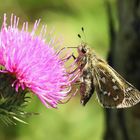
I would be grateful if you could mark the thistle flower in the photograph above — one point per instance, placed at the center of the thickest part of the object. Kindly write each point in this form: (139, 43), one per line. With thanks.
(34, 62)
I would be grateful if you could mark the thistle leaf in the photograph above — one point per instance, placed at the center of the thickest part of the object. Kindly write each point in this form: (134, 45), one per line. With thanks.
(11, 102)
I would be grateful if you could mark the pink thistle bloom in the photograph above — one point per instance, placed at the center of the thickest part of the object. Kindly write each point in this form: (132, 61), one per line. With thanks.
(34, 63)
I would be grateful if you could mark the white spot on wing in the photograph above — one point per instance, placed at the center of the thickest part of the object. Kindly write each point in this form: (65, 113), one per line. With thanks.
(105, 92)
(108, 93)
(103, 80)
(116, 98)
(128, 89)
(115, 87)
(113, 80)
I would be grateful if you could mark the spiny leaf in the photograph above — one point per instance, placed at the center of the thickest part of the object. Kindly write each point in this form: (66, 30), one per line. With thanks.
(11, 102)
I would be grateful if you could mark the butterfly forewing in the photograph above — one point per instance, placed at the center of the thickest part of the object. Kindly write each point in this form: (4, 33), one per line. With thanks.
(112, 89)
(131, 94)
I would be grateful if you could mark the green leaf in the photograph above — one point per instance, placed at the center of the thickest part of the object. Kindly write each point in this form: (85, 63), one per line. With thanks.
(11, 102)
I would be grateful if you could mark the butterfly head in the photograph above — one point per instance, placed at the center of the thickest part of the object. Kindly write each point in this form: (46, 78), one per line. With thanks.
(83, 49)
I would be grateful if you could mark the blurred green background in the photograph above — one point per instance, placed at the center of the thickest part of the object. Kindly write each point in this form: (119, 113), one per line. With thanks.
(71, 121)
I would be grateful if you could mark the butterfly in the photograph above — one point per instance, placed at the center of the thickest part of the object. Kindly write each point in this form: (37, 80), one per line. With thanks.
(113, 91)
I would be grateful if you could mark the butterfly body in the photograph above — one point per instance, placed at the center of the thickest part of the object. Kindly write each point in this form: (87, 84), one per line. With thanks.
(112, 89)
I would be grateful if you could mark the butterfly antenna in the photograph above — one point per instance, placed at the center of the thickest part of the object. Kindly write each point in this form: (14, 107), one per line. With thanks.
(83, 31)
(79, 35)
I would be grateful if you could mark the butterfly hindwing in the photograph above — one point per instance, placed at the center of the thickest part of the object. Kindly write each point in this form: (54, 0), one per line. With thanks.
(86, 85)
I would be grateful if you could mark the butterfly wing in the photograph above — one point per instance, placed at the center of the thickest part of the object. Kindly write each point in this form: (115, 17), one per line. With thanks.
(86, 85)
(112, 89)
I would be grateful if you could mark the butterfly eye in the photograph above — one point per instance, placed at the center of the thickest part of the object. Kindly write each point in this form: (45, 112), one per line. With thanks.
(83, 50)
